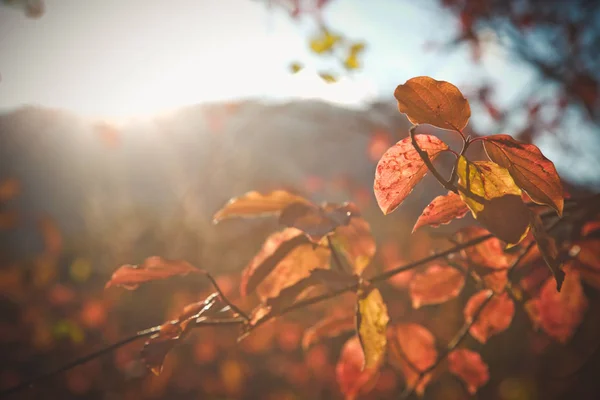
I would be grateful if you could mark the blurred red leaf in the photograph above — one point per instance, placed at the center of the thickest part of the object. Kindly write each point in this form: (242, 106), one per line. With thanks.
(412, 350)
(469, 367)
(442, 210)
(351, 377)
(371, 324)
(53, 241)
(379, 142)
(401, 168)
(254, 204)
(436, 285)
(559, 313)
(9, 219)
(488, 254)
(495, 317)
(328, 327)
(153, 268)
(530, 169)
(391, 258)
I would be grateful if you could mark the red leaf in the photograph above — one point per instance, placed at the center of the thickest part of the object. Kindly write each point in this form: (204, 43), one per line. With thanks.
(487, 254)
(442, 210)
(328, 327)
(495, 317)
(351, 377)
(153, 268)
(401, 168)
(412, 350)
(436, 285)
(469, 367)
(530, 169)
(559, 313)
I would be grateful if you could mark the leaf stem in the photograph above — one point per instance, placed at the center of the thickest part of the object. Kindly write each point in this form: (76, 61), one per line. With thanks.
(225, 299)
(425, 157)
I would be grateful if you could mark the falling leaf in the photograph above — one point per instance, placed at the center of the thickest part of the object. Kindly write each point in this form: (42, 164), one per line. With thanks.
(547, 247)
(498, 205)
(401, 168)
(427, 101)
(254, 204)
(327, 77)
(487, 254)
(442, 210)
(350, 375)
(495, 317)
(324, 41)
(436, 285)
(327, 328)
(296, 67)
(412, 351)
(468, 366)
(317, 222)
(153, 268)
(372, 319)
(559, 313)
(356, 243)
(529, 168)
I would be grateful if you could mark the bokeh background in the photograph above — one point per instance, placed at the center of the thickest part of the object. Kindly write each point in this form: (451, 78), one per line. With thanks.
(126, 125)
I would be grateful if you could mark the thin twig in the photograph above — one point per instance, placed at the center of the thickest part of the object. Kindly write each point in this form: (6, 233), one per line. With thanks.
(225, 299)
(425, 157)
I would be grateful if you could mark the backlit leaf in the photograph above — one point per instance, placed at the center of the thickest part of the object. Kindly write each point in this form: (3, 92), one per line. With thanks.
(412, 350)
(530, 169)
(356, 243)
(372, 318)
(427, 101)
(324, 41)
(498, 205)
(401, 168)
(254, 204)
(488, 254)
(328, 327)
(317, 222)
(442, 210)
(547, 247)
(350, 375)
(327, 77)
(469, 367)
(153, 268)
(436, 285)
(559, 313)
(495, 317)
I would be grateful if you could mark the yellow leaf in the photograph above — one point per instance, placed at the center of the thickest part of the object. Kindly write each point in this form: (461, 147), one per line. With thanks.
(324, 42)
(296, 67)
(427, 101)
(351, 62)
(494, 199)
(372, 319)
(254, 204)
(328, 77)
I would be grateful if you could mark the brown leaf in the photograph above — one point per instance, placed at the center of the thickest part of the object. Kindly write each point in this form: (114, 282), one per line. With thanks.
(469, 367)
(412, 350)
(401, 168)
(371, 320)
(350, 375)
(588, 261)
(436, 285)
(559, 313)
(317, 222)
(494, 199)
(427, 101)
(356, 243)
(495, 317)
(442, 210)
(530, 169)
(254, 204)
(153, 268)
(274, 250)
(327, 328)
(547, 247)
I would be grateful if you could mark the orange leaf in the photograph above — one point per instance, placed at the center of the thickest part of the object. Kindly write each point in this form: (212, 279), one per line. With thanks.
(493, 198)
(559, 313)
(495, 317)
(442, 210)
(487, 254)
(327, 328)
(469, 367)
(427, 101)
(254, 204)
(355, 242)
(350, 375)
(371, 321)
(401, 168)
(547, 247)
(153, 268)
(412, 350)
(530, 169)
(436, 285)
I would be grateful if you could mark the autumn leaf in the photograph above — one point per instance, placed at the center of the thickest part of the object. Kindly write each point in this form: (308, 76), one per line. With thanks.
(547, 247)
(588, 261)
(153, 268)
(436, 285)
(487, 254)
(495, 317)
(350, 375)
(327, 328)
(442, 210)
(427, 101)
(371, 320)
(254, 204)
(468, 366)
(401, 168)
(324, 41)
(327, 77)
(559, 313)
(356, 243)
(412, 350)
(529, 168)
(317, 222)
(494, 199)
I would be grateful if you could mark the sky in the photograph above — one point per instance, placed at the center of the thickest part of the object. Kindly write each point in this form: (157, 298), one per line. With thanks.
(115, 58)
